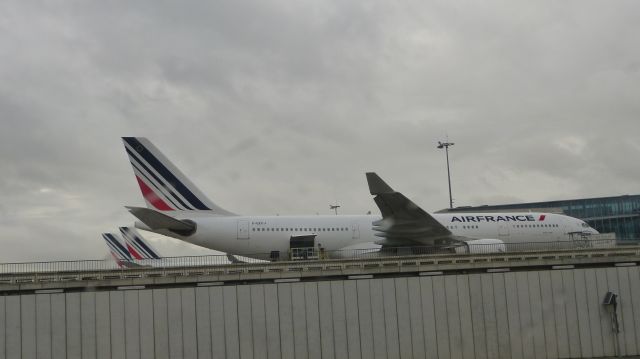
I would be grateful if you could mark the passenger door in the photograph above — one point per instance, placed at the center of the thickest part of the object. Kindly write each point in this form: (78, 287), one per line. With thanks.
(355, 230)
(243, 229)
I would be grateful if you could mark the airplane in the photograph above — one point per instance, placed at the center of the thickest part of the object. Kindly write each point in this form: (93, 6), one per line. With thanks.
(178, 209)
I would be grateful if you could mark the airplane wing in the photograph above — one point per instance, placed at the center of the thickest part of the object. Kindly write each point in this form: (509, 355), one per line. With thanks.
(403, 222)
(233, 259)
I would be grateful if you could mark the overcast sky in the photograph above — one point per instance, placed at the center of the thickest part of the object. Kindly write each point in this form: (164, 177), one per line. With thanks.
(280, 107)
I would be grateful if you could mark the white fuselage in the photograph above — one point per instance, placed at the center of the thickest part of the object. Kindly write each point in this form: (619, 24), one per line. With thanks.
(246, 235)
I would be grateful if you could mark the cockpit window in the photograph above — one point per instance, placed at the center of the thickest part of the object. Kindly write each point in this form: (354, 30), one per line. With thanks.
(584, 225)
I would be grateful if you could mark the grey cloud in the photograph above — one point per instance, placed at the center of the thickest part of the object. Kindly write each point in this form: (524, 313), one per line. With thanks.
(280, 107)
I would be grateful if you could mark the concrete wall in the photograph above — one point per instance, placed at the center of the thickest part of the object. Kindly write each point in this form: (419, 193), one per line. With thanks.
(535, 314)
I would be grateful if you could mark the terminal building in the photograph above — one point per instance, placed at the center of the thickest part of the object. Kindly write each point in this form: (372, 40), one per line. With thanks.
(619, 214)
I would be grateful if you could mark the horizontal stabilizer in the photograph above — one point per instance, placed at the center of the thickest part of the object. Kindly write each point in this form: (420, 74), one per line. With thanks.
(377, 185)
(156, 220)
(233, 259)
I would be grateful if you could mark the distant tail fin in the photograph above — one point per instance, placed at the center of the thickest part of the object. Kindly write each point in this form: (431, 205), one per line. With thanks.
(163, 186)
(117, 249)
(137, 246)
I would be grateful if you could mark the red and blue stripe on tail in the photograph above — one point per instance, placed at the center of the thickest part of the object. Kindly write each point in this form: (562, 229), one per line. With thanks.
(163, 186)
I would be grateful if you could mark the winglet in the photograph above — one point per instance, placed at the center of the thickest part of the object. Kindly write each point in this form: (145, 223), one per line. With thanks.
(377, 185)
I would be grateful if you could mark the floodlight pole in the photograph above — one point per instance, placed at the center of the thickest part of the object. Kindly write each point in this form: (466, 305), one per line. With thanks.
(334, 207)
(446, 145)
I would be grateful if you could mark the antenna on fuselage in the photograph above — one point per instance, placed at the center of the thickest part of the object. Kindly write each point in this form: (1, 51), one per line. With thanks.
(334, 207)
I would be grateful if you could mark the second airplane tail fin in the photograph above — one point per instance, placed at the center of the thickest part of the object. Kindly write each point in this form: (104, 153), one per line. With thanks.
(117, 249)
(164, 187)
(137, 246)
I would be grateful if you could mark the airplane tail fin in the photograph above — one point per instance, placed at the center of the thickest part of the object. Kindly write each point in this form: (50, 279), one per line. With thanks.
(164, 187)
(137, 246)
(117, 249)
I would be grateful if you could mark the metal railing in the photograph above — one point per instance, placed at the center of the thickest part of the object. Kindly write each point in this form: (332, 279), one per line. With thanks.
(309, 254)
